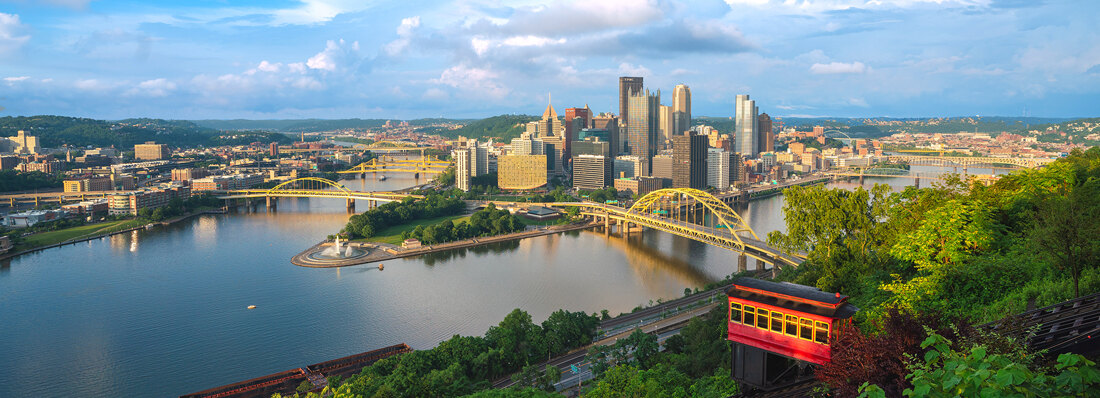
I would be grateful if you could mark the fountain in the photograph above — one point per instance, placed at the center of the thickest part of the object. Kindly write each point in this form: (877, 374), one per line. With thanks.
(338, 251)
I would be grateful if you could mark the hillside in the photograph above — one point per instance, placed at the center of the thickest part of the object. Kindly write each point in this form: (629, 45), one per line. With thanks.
(501, 128)
(58, 131)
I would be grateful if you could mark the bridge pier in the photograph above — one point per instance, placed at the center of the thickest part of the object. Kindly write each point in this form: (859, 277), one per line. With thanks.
(742, 263)
(916, 182)
(351, 205)
(606, 225)
(760, 265)
(272, 202)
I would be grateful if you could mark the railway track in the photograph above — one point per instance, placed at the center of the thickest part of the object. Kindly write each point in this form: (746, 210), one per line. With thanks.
(1070, 326)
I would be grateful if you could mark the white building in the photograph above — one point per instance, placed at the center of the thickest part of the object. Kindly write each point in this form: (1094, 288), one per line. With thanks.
(462, 168)
(719, 165)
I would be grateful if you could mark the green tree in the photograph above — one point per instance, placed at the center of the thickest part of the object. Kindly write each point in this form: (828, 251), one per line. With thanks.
(1066, 228)
(975, 371)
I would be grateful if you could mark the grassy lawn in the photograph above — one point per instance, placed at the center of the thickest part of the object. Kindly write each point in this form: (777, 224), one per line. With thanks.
(51, 237)
(392, 235)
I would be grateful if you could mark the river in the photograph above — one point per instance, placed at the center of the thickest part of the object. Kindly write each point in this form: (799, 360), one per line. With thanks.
(162, 312)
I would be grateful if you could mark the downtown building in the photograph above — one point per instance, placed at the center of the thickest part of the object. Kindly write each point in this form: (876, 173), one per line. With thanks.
(591, 171)
(746, 127)
(722, 168)
(689, 156)
(642, 126)
(681, 109)
(521, 172)
(151, 151)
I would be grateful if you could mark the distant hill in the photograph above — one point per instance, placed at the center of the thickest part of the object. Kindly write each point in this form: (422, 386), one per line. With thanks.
(57, 131)
(312, 125)
(502, 128)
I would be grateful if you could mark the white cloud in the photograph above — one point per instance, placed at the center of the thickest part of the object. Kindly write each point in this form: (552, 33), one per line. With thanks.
(153, 88)
(404, 35)
(479, 80)
(265, 66)
(626, 69)
(480, 45)
(14, 79)
(838, 67)
(336, 54)
(94, 85)
(11, 38)
(820, 6)
(317, 11)
(530, 41)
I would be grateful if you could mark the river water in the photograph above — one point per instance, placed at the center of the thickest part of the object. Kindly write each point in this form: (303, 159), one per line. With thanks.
(162, 312)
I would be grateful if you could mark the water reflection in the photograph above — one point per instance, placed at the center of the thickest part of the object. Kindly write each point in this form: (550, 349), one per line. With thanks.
(651, 264)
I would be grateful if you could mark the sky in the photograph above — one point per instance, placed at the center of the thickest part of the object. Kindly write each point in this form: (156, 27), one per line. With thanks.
(287, 59)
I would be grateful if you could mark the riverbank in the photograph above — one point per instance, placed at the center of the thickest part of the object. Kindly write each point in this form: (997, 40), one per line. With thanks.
(103, 234)
(383, 251)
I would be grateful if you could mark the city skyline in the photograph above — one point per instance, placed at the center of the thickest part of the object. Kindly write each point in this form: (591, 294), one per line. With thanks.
(339, 59)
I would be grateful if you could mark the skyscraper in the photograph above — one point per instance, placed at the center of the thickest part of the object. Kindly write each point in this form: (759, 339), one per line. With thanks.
(745, 127)
(614, 136)
(549, 126)
(681, 109)
(592, 171)
(767, 136)
(666, 125)
(627, 87)
(689, 156)
(641, 126)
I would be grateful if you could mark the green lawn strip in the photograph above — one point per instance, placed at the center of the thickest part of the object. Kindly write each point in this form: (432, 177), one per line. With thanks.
(51, 237)
(392, 235)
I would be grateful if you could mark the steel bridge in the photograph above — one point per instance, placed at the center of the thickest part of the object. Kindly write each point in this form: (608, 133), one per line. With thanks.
(969, 161)
(892, 172)
(425, 164)
(313, 187)
(685, 212)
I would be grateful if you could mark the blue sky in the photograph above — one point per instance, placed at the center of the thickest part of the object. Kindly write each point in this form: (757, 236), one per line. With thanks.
(198, 59)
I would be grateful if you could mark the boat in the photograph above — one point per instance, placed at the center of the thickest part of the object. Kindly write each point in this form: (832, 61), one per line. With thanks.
(381, 267)
(381, 178)
(252, 307)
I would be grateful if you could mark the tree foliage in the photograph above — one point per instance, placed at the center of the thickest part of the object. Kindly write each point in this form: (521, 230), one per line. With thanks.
(373, 221)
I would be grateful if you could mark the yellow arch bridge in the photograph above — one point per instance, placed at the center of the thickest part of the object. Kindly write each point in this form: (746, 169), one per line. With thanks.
(313, 187)
(424, 165)
(692, 214)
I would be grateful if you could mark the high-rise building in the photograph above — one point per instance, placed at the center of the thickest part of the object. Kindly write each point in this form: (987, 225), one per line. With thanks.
(274, 149)
(737, 168)
(767, 136)
(462, 168)
(719, 166)
(662, 166)
(746, 128)
(151, 151)
(591, 171)
(681, 109)
(666, 125)
(591, 147)
(614, 135)
(628, 86)
(583, 113)
(479, 157)
(626, 166)
(21, 144)
(521, 171)
(689, 156)
(549, 125)
(641, 126)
